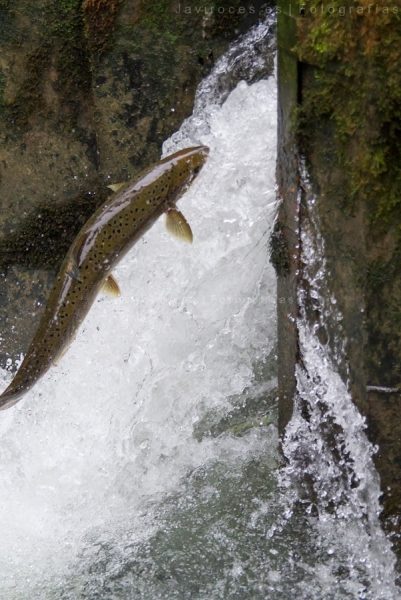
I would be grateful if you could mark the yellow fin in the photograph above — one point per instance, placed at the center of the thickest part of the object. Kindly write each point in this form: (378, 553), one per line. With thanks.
(60, 355)
(178, 226)
(114, 187)
(111, 287)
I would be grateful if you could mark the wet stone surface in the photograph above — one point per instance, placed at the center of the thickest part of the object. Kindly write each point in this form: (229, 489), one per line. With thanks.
(342, 91)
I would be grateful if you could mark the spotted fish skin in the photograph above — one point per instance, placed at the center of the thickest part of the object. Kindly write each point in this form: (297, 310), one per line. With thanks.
(104, 239)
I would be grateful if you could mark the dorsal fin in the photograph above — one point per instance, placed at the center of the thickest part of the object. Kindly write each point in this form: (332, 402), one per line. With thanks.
(114, 187)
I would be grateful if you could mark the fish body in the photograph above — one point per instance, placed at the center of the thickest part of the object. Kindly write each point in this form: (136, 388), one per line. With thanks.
(101, 243)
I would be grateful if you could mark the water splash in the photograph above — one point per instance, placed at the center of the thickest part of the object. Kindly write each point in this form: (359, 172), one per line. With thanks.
(93, 450)
(105, 492)
(330, 459)
(249, 59)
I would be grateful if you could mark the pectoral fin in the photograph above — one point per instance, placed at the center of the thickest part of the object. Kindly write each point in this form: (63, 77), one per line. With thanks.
(178, 226)
(111, 287)
(114, 187)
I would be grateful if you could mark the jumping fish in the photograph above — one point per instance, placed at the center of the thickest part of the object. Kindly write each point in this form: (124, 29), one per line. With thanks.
(101, 243)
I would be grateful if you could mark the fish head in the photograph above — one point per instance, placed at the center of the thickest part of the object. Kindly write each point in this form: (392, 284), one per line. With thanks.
(196, 158)
(187, 164)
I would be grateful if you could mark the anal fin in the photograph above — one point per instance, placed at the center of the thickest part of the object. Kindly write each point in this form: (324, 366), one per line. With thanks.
(111, 287)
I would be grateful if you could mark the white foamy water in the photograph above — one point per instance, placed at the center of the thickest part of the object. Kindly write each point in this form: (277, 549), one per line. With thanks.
(328, 451)
(110, 429)
(105, 491)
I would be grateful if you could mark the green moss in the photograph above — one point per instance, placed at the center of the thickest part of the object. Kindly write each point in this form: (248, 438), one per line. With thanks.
(171, 21)
(6, 21)
(161, 22)
(358, 52)
(64, 45)
(28, 99)
(100, 19)
(155, 14)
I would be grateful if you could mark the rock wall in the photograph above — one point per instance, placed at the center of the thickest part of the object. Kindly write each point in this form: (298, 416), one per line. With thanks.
(340, 109)
(89, 90)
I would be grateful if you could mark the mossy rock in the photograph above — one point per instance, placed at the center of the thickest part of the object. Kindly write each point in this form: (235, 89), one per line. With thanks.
(346, 122)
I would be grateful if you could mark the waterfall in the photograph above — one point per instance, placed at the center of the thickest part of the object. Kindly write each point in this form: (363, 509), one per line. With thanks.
(146, 464)
(92, 454)
(327, 451)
